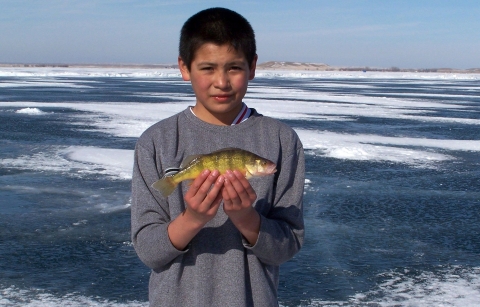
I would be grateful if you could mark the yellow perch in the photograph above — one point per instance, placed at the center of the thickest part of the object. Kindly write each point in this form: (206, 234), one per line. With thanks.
(222, 160)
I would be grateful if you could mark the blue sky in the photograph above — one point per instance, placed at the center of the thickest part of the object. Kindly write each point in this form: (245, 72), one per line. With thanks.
(375, 33)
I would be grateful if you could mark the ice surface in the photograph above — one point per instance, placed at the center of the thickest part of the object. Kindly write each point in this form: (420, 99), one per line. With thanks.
(453, 286)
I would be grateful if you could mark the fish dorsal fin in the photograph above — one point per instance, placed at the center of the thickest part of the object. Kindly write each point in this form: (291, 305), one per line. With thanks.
(227, 148)
(189, 160)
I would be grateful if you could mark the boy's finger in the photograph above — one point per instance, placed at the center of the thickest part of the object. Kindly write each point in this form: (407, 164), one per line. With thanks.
(244, 182)
(197, 183)
(199, 189)
(216, 203)
(204, 190)
(242, 187)
(231, 196)
(207, 183)
(214, 194)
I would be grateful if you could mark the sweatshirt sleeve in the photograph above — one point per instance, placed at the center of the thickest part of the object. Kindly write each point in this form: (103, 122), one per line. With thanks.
(282, 229)
(150, 214)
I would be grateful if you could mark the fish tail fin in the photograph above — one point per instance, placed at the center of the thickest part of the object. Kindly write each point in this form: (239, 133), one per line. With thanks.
(165, 185)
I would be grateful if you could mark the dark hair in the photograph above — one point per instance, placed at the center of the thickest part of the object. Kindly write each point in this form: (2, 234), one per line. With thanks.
(219, 26)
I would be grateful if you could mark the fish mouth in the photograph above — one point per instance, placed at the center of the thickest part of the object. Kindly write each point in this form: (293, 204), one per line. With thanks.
(271, 169)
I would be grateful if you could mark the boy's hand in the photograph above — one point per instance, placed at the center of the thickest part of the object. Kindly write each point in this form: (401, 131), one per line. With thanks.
(203, 200)
(238, 198)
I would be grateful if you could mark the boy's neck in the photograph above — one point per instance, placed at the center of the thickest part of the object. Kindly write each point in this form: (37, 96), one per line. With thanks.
(219, 119)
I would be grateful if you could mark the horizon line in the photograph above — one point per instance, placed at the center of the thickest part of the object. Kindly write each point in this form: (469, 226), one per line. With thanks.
(273, 65)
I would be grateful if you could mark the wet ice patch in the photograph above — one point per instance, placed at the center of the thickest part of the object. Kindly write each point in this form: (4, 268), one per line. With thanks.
(454, 286)
(119, 119)
(417, 152)
(114, 162)
(13, 296)
(77, 161)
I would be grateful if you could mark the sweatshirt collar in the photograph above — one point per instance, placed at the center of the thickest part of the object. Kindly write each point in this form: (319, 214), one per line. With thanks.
(242, 116)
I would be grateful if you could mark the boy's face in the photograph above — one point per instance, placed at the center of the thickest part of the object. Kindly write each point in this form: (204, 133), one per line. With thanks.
(219, 77)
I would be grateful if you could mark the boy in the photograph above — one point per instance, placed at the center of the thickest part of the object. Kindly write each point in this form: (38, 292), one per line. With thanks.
(219, 241)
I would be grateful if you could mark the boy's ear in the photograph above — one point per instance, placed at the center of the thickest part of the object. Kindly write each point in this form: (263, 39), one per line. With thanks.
(253, 66)
(183, 69)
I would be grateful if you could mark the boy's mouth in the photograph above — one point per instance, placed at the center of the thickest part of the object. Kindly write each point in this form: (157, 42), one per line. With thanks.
(221, 98)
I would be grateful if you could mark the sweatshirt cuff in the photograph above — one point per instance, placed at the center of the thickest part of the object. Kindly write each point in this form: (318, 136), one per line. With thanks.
(247, 244)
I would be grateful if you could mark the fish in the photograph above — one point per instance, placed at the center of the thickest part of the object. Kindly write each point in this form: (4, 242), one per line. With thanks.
(246, 162)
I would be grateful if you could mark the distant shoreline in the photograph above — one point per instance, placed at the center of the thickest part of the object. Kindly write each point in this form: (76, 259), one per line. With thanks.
(276, 65)
(271, 65)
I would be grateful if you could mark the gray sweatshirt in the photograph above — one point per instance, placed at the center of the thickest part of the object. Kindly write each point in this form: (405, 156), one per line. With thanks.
(218, 268)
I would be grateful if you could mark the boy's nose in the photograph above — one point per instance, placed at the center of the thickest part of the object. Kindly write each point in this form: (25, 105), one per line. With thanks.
(221, 80)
